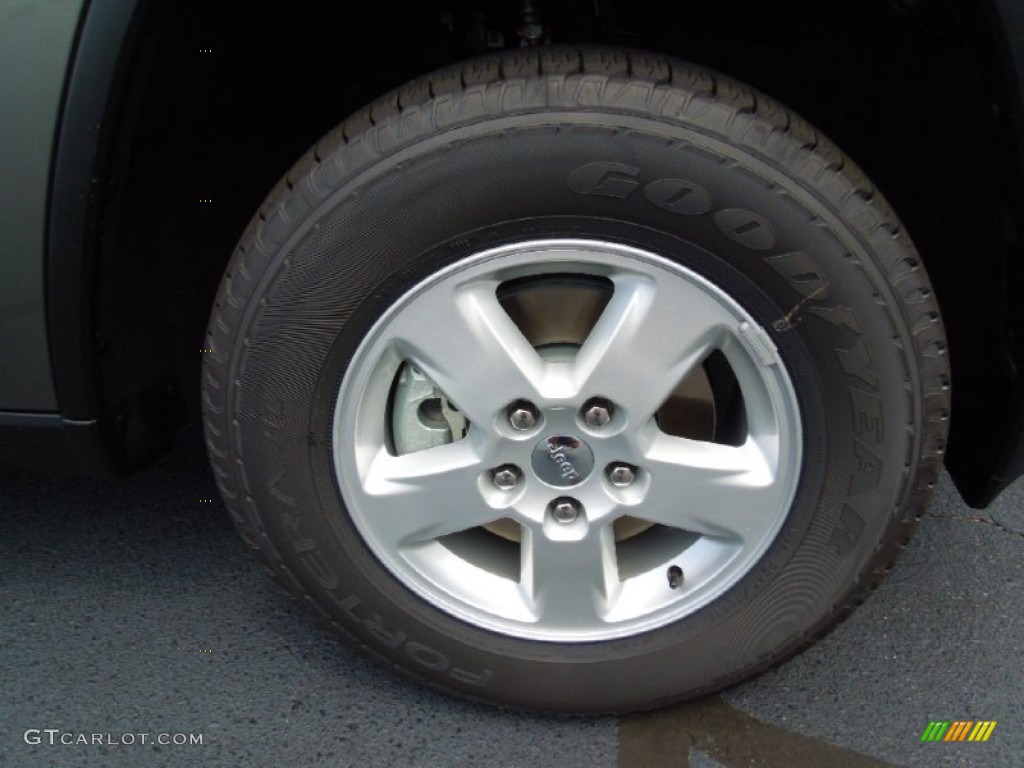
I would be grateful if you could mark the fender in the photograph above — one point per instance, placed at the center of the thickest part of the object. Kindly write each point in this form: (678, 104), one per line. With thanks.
(123, 435)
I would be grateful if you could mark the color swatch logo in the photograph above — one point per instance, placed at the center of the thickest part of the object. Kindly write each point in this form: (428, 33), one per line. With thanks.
(958, 730)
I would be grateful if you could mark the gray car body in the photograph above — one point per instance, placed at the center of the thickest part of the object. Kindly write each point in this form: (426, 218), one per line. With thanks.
(36, 43)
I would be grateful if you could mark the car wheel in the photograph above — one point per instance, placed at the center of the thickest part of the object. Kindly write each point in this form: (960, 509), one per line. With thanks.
(579, 380)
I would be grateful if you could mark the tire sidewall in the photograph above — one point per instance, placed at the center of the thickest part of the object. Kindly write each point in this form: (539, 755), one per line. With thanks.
(775, 245)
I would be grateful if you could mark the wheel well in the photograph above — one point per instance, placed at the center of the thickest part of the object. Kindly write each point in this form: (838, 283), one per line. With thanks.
(222, 99)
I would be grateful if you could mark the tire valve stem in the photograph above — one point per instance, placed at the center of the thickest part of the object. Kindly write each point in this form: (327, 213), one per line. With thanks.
(675, 576)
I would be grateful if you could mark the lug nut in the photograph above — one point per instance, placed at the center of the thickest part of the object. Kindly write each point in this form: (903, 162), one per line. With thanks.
(522, 415)
(621, 475)
(597, 412)
(565, 510)
(506, 477)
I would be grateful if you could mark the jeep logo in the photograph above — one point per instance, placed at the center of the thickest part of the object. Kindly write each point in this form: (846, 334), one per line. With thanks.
(562, 460)
(564, 464)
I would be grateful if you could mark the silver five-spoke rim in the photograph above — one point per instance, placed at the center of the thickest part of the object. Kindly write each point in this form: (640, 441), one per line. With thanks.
(557, 446)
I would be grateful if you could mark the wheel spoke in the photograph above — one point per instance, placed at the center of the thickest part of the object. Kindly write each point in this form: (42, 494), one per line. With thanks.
(716, 490)
(421, 496)
(464, 342)
(570, 584)
(646, 341)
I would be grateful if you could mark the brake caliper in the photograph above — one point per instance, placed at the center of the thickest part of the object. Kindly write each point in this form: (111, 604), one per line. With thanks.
(422, 416)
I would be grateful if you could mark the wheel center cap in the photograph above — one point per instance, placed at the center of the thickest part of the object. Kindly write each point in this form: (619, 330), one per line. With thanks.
(562, 460)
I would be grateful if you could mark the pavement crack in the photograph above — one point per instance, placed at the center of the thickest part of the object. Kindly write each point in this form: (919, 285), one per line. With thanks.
(989, 521)
(663, 739)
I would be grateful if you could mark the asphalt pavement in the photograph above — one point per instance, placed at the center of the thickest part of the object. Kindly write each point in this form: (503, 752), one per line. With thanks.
(131, 609)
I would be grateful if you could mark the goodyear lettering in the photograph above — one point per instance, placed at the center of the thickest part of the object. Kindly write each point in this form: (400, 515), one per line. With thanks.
(606, 179)
(801, 273)
(679, 196)
(841, 316)
(845, 536)
(867, 414)
(855, 361)
(746, 228)
(869, 467)
(619, 181)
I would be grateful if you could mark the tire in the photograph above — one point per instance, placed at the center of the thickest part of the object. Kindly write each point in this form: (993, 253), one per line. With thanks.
(631, 290)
